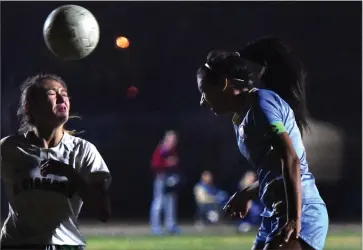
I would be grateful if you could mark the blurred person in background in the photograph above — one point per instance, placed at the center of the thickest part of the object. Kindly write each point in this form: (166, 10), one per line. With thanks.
(48, 173)
(252, 218)
(269, 122)
(209, 200)
(166, 183)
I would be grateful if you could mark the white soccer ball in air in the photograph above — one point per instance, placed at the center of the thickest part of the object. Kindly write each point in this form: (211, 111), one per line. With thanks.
(71, 32)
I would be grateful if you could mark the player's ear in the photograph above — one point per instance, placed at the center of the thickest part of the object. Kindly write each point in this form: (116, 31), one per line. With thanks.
(236, 91)
(231, 86)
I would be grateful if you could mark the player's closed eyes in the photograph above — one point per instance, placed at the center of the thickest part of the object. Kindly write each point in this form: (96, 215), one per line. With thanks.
(63, 93)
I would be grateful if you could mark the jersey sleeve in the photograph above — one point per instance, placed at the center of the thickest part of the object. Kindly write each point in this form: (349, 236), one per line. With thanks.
(94, 167)
(271, 112)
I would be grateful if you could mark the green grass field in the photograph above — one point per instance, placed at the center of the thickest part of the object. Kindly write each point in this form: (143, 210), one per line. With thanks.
(335, 241)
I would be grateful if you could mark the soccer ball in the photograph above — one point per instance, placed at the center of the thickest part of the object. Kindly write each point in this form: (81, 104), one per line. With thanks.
(71, 32)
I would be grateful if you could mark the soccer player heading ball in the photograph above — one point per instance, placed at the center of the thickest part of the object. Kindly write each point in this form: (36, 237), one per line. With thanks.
(269, 123)
(48, 173)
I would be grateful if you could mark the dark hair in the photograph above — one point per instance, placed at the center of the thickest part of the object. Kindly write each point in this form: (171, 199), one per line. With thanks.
(283, 73)
(28, 90)
(222, 64)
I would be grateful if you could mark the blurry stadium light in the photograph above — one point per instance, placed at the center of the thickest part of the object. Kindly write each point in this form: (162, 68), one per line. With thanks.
(122, 42)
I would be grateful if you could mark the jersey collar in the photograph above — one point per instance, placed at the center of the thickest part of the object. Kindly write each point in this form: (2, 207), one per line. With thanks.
(237, 119)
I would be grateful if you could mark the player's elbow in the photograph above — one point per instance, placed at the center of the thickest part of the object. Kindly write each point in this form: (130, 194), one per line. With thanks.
(293, 158)
(104, 210)
(101, 203)
(291, 163)
(104, 216)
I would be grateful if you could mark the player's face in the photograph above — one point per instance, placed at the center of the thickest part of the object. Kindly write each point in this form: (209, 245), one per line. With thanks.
(207, 178)
(52, 104)
(214, 97)
(250, 178)
(170, 141)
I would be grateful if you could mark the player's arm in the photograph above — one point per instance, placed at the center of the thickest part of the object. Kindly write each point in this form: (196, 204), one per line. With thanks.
(92, 183)
(252, 190)
(157, 160)
(202, 196)
(170, 160)
(290, 171)
(94, 193)
(4, 144)
(290, 161)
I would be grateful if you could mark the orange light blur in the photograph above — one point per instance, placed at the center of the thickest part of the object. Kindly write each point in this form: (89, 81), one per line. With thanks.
(122, 42)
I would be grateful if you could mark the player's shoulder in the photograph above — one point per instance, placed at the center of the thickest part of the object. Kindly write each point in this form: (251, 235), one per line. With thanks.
(267, 95)
(157, 150)
(80, 143)
(11, 141)
(6, 140)
(197, 187)
(265, 98)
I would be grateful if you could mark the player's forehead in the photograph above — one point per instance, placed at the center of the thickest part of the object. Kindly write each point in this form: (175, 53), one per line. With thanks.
(207, 88)
(208, 82)
(207, 174)
(50, 84)
(201, 84)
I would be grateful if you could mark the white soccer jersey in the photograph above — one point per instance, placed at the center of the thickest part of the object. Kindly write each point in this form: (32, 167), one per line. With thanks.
(44, 210)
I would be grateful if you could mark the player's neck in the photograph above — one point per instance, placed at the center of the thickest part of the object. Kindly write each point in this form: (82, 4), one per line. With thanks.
(47, 138)
(242, 102)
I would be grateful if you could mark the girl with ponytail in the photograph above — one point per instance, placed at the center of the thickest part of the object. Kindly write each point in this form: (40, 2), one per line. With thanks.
(264, 86)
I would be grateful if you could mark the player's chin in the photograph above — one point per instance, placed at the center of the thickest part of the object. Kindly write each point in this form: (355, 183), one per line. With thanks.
(62, 117)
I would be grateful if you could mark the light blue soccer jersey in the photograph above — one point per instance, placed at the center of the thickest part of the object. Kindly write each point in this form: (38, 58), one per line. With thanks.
(253, 133)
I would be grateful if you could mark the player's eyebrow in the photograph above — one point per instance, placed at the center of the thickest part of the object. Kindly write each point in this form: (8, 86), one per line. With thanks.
(57, 89)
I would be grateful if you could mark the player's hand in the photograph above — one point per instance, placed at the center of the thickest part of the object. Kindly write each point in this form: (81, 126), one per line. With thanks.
(291, 228)
(55, 168)
(238, 205)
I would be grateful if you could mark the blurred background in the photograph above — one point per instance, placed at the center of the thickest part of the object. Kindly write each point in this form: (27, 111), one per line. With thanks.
(168, 42)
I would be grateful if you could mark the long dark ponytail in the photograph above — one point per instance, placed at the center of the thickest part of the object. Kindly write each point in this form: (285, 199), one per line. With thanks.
(284, 73)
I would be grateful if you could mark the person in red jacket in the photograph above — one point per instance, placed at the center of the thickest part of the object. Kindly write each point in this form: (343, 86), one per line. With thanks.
(164, 165)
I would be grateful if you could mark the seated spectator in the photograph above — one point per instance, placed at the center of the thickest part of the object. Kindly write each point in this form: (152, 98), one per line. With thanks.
(253, 216)
(209, 200)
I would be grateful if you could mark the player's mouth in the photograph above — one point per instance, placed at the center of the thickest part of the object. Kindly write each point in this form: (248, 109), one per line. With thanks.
(61, 108)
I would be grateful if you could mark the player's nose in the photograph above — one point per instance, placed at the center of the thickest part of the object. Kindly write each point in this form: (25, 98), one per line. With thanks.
(60, 98)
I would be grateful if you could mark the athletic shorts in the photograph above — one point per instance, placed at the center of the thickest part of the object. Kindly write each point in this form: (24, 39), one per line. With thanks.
(314, 226)
(43, 247)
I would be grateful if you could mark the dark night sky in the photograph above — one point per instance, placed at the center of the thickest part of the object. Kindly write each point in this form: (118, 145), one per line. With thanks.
(169, 40)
